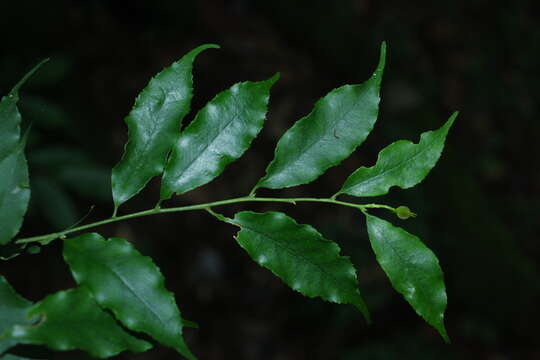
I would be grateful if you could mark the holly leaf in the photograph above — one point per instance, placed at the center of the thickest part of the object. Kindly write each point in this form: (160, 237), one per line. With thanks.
(128, 284)
(300, 256)
(70, 320)
(154, 124)
(220, 133)
(402, 164)
(337, 125)
(412, 268)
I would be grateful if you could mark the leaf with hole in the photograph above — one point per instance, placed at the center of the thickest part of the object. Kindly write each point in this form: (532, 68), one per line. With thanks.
(128, 284)
(402, 164)
(220, 133)
(300, 256)
(337, 125)
(154, 124)
(412, 268)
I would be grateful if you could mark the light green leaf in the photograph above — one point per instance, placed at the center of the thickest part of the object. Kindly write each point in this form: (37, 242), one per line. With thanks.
(220, 133)
(13, 309)
(338, 124)
(154, 124)
(10, 118)
(300, 256)
(128, 284)
(412, 268)
(72, 319)
(402, 164)
(14, 192)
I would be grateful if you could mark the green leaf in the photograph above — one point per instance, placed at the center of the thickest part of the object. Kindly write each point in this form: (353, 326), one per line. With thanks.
(220, 133)
(10, 118)
(412, 268)
(402, 164)
(338, 124)
(14, 192)
(72, 319)
(154, 124)
(13, 309)
(300, 256)
(128, 284)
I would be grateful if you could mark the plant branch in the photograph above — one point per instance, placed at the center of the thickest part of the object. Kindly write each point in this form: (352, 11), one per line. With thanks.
(45, 239)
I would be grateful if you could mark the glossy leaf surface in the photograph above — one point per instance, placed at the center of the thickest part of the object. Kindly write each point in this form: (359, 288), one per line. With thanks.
(14, 192)
(220, 133)
(154, 124)
(128, 284)
(402, 164)
(10, 118)
(72, 319)
(338, 124)
(412, 268)
(300, 256)
(13, 310)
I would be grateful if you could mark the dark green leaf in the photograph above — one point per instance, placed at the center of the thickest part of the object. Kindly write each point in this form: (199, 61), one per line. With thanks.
(220, 133)
(300, 256)
(14, 192)
(402, 164)
(338, 124)
(154, 124)
(128, 284)
(412, 268)
(72, 319)
(10, 118)
(13, 309)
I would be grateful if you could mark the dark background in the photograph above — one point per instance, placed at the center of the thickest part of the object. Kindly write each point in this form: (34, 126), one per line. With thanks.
(478, 209)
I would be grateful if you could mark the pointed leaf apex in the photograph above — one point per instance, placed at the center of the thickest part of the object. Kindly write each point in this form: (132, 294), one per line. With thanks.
(27, 76)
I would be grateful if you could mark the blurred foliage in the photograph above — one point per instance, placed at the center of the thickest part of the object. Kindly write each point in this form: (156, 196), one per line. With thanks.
(477, 210)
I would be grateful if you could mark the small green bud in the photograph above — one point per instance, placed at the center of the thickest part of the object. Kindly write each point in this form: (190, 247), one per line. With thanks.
(403, 212)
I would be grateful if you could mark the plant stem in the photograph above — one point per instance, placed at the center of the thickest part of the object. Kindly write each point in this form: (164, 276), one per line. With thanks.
(62, 234)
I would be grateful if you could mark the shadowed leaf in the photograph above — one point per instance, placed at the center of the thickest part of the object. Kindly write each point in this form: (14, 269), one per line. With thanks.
(128, 284)
(72, 319)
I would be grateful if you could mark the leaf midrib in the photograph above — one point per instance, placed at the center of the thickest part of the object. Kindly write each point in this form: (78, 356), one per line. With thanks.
(306, 260)
(392, 168)
(302, 154)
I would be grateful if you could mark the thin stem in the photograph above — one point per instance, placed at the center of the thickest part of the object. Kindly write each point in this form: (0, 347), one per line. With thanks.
(206, 206)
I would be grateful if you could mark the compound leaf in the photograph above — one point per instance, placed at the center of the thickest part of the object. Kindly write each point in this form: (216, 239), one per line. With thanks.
(402, 164)
(220, 133)
(10, 118)
(338, 124)
(14, 192)
(412, 268)
(300, 256)
(13, 309)
(128, 284)
(72, 319)
(154, 124)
